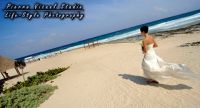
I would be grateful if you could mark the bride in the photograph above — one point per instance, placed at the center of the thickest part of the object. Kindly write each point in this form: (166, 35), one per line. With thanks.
(154, 67)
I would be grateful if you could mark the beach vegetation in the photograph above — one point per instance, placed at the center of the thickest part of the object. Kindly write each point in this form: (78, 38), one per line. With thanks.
(39, 78)
(27, 97)
(32, 92)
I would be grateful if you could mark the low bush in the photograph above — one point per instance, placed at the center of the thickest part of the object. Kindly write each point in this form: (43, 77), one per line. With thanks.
(27, 97)
(40, 77)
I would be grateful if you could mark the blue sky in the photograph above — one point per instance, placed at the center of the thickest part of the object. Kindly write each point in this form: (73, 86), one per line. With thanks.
(21, 37)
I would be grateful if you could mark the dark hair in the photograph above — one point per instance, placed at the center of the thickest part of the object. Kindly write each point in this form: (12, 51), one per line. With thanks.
(144, 29)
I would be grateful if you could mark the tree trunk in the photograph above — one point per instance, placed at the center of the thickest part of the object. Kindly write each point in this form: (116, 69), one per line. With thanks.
(17, 70)
(23, 74)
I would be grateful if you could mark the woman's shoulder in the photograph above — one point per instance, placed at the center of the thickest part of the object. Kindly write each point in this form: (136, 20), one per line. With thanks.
(152, 37)
(144, 40)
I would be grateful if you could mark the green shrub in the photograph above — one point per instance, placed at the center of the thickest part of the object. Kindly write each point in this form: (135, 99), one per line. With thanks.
(27, 97)
(40, 77)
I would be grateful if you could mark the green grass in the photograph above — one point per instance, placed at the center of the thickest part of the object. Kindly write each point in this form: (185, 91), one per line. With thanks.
(40, 77)
(27, 97)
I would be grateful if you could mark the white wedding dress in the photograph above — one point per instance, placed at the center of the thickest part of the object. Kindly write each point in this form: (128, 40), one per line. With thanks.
(155, 68)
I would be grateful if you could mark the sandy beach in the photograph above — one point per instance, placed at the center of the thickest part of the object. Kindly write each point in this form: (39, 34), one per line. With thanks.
(110, 76)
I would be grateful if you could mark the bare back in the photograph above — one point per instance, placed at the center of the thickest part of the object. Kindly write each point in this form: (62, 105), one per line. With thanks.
(147, 41)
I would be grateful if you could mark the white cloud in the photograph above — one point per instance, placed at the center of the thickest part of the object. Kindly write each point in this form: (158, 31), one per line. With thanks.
(160, 9)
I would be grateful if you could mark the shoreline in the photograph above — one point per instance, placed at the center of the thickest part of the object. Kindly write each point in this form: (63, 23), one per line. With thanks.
(163, 34)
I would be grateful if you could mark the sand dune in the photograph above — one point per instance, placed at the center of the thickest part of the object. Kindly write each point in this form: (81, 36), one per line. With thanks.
(110, 76)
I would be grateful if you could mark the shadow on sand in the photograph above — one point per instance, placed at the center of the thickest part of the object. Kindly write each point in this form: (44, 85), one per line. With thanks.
(2, 81)
(142, 81)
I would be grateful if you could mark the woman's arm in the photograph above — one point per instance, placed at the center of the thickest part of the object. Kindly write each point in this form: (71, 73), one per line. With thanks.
(144, 46)
(155, 44)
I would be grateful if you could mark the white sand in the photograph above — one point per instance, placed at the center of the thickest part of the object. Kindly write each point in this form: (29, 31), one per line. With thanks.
(110, 76)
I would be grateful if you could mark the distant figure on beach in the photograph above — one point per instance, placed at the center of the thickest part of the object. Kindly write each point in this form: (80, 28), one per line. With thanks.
(154, 67)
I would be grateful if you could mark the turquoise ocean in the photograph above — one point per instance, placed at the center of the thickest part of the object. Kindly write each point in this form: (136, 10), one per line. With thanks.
(170, 23)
